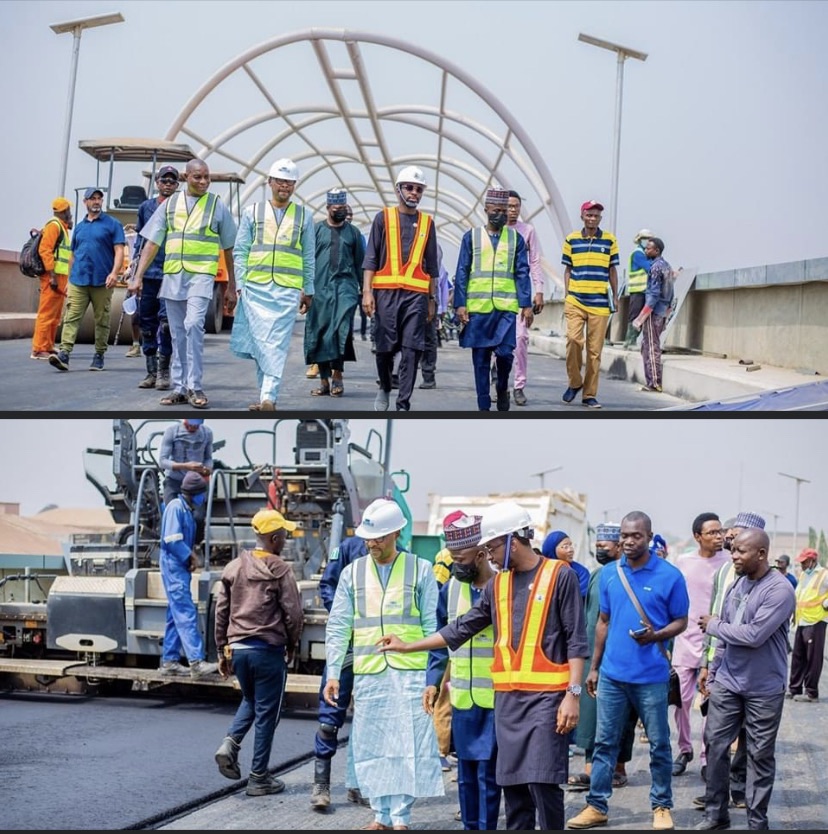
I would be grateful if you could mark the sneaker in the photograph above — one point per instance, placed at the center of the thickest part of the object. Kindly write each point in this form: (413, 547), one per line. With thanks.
(134, 351)
(355, 795)
(381, 401)
(263, 785)
(200, 668)
(570, 394)
(711, 825)
(41, 354)
(662, 820)
(444, 764)
(227, 759)
(589, 817)
(60, 360)
(173, 667)
(428, 383)
(590, 402)
(97, 362)
(699, 802)
(520, 397)
(458, 815)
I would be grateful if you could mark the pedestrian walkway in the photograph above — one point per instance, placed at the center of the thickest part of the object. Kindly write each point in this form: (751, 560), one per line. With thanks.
(798, 801)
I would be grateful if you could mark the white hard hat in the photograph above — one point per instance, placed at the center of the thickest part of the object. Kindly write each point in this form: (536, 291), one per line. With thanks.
(503, 518)
(411, 173)
(284, 169)
(644, 233)
(380, 518)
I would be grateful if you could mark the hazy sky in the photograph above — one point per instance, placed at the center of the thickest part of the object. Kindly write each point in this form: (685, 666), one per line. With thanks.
(723, 126)
(671, 469)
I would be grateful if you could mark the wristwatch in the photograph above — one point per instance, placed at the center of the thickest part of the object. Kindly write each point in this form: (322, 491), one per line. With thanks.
(574, 689)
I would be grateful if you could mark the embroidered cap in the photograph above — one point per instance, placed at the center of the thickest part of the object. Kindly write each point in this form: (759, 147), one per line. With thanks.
(608, 533)
(461, 530)
(497, 197)
(750, 520)
(337, 197)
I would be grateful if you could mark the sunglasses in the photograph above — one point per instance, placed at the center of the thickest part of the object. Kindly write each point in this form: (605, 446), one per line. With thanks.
(417, 189)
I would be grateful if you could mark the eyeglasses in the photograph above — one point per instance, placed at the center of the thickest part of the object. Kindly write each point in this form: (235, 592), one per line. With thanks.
(283, 183)
(491, 548)
(417, 189)
(168, 181)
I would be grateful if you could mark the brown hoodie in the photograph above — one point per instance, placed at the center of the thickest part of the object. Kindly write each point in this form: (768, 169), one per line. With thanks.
(259, 598)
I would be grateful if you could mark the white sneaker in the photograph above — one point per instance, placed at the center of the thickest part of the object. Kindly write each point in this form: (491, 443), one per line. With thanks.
(200, 668)
(381, 401)
(173, 667)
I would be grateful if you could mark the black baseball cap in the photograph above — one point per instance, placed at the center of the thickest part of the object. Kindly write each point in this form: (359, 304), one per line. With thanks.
(167, 170)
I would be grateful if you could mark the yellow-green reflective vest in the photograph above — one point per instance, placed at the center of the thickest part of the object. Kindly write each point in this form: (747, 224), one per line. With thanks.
(809, 600)
(471, 663)
(636, 278)
(62, 251)
(492, 277)
(390, 610)
(276, 252)
(724, 578)
(191, 245)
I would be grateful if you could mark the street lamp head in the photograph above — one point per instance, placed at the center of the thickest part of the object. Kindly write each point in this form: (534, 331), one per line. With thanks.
(86, 23)
(623, 51)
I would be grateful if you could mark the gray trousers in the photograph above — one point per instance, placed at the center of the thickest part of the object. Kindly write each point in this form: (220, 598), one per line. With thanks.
(761, 717)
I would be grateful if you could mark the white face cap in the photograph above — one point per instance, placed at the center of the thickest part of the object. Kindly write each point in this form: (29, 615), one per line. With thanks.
(284, 169)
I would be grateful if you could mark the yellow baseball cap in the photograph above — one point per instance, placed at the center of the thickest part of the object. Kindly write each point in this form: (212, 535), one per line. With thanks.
(269, 521)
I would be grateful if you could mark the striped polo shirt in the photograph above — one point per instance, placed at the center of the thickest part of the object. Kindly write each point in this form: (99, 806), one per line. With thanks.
(590, 259)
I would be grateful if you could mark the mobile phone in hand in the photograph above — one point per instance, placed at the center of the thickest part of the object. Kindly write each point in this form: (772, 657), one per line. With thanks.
(639, 632)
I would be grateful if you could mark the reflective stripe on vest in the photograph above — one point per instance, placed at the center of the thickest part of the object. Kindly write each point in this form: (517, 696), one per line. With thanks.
(809, 608)
(636, 278)
(191, 245)
(471, 663)
(492, 277)
(62, 250)
(720, 589)
(389, 610)
(276, 252)
(396, 275)
(528, 668)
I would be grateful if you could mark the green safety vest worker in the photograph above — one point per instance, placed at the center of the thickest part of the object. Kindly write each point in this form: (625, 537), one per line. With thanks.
(276, 252)
(471, 663)
(809, 610)
(191, 244)
(636, 278)
(492, 276)
(389, 610)
(724, 578)
(62, 251)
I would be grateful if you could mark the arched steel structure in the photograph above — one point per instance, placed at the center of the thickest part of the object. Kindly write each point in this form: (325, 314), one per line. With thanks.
(464, 137)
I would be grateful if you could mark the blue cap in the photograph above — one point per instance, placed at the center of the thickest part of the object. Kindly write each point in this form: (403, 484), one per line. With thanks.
(93, 190)
(194, 421)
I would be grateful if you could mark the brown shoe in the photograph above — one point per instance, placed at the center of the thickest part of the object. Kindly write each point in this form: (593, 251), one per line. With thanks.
(264, 405)
(589, 817)
(312, 372)
(662, 820)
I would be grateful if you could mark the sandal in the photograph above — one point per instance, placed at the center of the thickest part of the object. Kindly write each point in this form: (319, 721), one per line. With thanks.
(176, 398)
(619, 780)
(337, 388)
(580, 782)
(198, 399)
(322, 391)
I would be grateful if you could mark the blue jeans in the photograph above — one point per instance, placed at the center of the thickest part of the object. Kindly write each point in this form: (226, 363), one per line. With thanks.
(325, 744)
(262, 674)
(615, 699)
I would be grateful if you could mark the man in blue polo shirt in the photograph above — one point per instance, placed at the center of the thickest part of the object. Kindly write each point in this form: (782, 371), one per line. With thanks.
(590, 259)
(94, 265)
(634, 665)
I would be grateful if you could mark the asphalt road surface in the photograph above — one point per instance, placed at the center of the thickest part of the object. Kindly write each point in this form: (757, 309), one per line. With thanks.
(230, 384)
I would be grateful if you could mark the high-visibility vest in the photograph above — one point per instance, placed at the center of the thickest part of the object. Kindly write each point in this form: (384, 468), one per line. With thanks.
(809, 600)
(63, 249)
(390, 610)
(724, 578)
(471, 663)
(528, 668)
(276, 252)
(191, 245)
(636, 278)
(396, 275)
(492, 277)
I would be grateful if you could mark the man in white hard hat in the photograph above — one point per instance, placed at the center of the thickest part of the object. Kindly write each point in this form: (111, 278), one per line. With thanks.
(639, 269)
(194, 226)
(393, 747)
(400, 276)
(275, 259)
(536, 671)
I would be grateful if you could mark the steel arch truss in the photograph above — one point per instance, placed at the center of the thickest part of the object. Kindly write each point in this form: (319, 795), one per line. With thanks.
(383, 103)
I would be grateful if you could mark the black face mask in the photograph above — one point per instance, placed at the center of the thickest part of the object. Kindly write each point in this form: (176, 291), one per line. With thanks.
(497, 220)
(339, 215)
(603, 556)
(727, 544)
(464, 573)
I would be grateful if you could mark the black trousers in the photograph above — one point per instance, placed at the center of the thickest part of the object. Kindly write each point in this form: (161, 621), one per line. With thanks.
(428, 364)
(534, 803)
(806, 659)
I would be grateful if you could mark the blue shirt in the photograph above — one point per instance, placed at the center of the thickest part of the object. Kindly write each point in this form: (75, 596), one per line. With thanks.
(349, 549)
(662, 591)
(145, 211)
(178, 530)
(93, 250)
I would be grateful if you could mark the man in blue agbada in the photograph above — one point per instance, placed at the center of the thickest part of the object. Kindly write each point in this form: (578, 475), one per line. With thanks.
(393, 748)
(492, 286)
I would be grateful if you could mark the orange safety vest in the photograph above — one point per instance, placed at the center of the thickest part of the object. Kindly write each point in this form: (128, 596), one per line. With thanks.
(527, 669)
(396, 275)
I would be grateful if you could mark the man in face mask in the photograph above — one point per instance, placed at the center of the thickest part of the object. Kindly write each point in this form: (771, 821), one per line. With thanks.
(492, 287)
(469, 669)
(607, 550)
(340, 249)
(177, 561)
